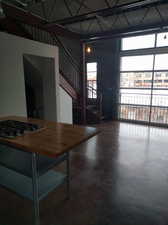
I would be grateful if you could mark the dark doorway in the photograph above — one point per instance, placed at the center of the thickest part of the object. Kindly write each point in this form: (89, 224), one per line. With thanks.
(40, 87)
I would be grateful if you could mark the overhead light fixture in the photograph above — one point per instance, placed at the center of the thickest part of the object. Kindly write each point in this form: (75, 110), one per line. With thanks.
(88, 50)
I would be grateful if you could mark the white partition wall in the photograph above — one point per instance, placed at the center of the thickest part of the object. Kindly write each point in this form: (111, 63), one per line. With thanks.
(12, 84)
(65, 107)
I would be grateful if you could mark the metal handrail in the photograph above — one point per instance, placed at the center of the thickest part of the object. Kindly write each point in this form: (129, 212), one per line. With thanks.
(95, 90)
(49, 38)
(90, 87)
(67, 52)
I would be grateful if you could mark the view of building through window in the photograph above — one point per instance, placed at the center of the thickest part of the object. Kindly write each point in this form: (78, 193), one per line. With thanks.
(144, 78)
(92, 79)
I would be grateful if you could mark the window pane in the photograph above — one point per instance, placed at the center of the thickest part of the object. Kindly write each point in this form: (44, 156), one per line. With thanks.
(136, 80)
(159, 115)
(134, 96)
(135, 63)
(159, 112)
(162, 39)
(91, 75)
(92, 84)
(145, 41)
(160, 80)
(91, 66)
(160, 98)
(130, 112)
(92, 80)
(92, 93)
(161, 62)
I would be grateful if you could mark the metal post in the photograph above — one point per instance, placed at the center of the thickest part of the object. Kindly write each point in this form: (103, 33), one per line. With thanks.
(153, 74)
(35, 189)
(68, 176)
(83, 83)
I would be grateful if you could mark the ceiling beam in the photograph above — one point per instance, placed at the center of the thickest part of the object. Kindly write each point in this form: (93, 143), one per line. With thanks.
(132, 31)
(117, 9)
(14, 28)
(23, 16)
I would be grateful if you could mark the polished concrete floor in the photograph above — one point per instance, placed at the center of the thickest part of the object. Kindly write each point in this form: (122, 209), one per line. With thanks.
(119, 177)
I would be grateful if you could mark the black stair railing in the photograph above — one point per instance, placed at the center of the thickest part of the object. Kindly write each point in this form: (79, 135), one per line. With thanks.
(68, 65)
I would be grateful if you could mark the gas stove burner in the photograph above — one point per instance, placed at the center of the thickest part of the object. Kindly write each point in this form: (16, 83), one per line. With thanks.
(13, 128)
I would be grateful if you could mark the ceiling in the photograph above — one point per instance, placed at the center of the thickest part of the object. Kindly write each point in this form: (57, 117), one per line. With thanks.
(93, 18)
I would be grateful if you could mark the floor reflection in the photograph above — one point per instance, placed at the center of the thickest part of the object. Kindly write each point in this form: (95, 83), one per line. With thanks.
(119, 177)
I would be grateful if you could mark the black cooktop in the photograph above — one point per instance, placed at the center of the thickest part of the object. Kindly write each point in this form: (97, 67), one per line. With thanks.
(13, 128)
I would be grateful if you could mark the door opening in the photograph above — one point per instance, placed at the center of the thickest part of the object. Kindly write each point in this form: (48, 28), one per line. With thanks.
(40, 87)
(92, 80)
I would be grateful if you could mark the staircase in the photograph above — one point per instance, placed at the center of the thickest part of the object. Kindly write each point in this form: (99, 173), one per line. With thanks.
(70, 73)
(65, 84)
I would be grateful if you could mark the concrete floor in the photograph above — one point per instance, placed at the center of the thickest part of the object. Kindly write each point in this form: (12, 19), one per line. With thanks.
(119, 177)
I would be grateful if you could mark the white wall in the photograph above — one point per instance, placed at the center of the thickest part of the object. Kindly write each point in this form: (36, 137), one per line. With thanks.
(65, 107)
(12, 86)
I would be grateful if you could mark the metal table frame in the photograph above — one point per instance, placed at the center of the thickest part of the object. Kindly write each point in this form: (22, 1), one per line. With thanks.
(35, 179)
(35, 185)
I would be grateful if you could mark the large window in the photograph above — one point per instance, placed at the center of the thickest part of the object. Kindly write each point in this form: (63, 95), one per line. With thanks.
(92, 79)
(144, 78)
(137, 63)
(162, 40)
(138, 42)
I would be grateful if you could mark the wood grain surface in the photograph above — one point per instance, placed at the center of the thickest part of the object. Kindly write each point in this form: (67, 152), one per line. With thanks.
(52, 139)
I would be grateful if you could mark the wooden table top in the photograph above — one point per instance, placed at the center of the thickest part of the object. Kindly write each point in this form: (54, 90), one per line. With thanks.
(52, 139)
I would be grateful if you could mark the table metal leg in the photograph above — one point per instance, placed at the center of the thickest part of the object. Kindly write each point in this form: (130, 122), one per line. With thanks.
(68, 175)
(35, 189)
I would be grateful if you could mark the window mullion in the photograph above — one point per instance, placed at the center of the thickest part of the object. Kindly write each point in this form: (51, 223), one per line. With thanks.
(152, 81)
